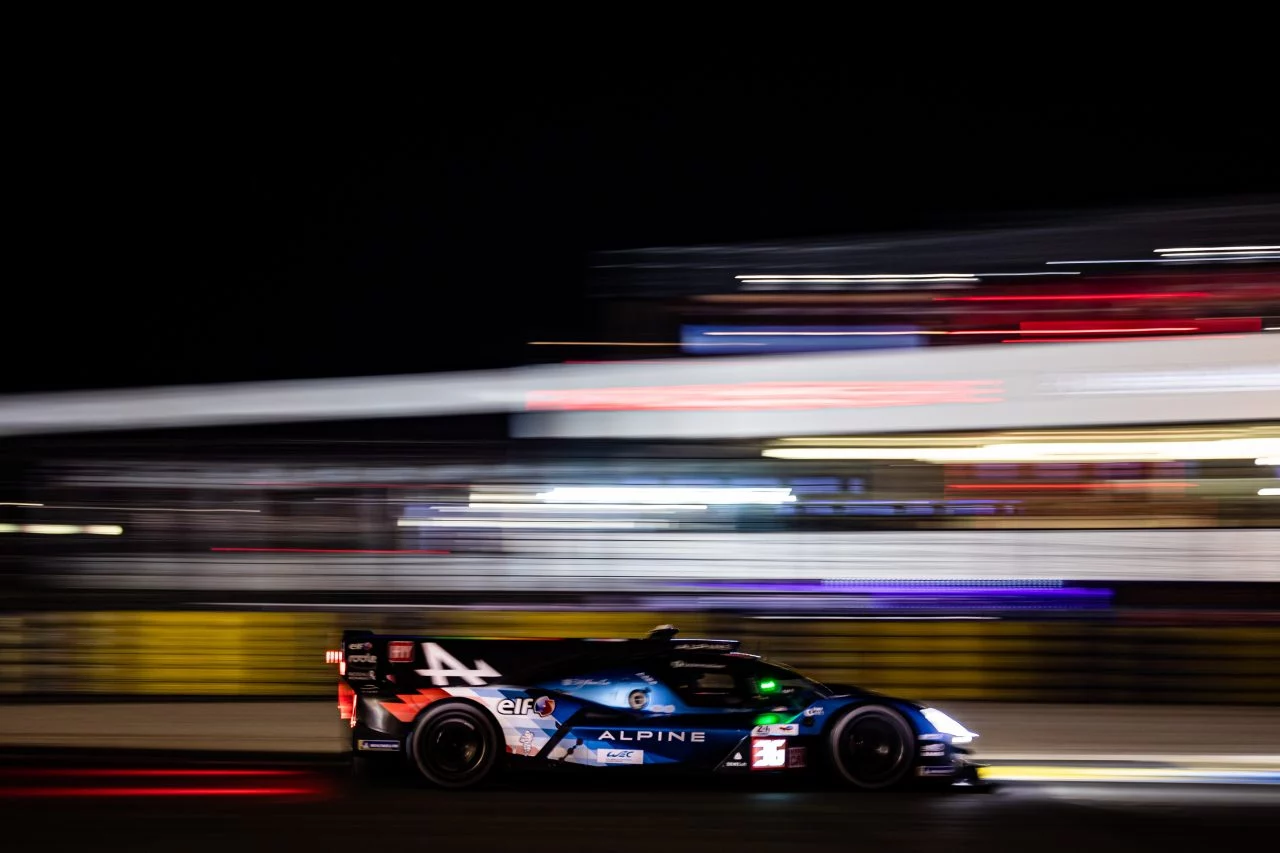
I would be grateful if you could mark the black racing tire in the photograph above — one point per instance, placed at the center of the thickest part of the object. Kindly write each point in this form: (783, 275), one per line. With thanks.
(455, 745)
(871, 748)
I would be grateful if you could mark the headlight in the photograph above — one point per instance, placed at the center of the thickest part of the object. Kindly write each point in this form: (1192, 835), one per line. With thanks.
(948, 726)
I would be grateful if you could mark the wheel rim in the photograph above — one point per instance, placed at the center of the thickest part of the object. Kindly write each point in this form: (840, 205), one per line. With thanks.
(454, 747)
(873, 750)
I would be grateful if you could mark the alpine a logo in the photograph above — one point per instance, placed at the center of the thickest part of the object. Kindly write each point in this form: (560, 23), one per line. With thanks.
(442, 666)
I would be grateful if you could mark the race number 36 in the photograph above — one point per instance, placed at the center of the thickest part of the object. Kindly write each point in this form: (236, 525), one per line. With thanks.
(768, 753)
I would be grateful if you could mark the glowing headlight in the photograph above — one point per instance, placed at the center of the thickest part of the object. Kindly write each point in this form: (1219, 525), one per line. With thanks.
(948, 726)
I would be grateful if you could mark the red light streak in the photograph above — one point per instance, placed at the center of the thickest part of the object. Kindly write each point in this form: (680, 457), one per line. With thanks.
(1075, 297)
(325, 551)
(1030, 329)
(1137, 484)
(1096, 340)
(1199, 324)
(157, 792)
(136, 772)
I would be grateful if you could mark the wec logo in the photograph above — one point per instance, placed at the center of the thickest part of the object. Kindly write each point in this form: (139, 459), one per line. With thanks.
(442, 666)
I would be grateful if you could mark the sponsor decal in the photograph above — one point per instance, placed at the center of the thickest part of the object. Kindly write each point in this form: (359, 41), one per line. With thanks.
(526, 743)
(785, 730)
(735, 764)
(360, 676)
(620, 756)
(768, 753)
(646, 678)
(585, 682)
(400, 651)
(936, 771)
(659, 736)
(932, 736)
(378, 745)
(795, 757)
(933, 749)
(684, 664)
(717, 647)
(638, 699)
(359, 647)
(541, 707)
(663, 709)
(362, 659)
(815, 712)
(442, 666)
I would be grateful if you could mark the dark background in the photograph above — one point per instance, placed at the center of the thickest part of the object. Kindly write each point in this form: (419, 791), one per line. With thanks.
(217, 212)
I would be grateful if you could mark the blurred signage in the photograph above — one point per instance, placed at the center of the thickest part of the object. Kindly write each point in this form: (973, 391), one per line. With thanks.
(742, 340)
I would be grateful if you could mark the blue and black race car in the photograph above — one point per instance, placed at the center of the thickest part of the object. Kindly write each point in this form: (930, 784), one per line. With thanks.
(461, 709)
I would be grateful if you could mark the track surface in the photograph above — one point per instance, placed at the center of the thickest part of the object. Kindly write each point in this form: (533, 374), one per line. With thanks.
(77, 803)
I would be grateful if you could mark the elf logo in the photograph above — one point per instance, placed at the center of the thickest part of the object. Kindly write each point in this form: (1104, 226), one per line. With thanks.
(541, 707)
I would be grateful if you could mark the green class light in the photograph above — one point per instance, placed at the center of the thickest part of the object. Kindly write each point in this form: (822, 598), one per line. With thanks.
(768, 720)
(768, 685)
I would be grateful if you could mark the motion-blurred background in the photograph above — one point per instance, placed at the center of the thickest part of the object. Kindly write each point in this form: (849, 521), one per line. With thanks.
(1029, 462)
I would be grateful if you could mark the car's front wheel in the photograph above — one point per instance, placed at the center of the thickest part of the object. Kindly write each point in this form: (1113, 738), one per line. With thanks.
(455, 745)
(871, 747)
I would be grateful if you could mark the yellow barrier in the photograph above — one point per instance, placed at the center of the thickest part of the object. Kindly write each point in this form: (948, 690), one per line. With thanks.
(274, 654)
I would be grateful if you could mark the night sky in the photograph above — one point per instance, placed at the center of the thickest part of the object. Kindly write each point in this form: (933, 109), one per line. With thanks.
(203, 215)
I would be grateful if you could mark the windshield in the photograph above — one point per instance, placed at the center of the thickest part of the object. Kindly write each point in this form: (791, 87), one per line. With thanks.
(742, 682)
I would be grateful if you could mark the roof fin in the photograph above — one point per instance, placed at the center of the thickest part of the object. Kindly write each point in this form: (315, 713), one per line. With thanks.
(663, 632)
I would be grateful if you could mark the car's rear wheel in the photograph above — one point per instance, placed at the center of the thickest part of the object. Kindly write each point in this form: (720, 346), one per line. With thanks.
(455, 745)
(871, 747)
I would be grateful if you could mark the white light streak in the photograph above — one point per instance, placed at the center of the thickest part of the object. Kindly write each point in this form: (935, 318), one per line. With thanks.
(1269, 493)
(570, 507)
(141, 508)
(1170, 451)
(1211, 249)
(529, 524)
(1021, 274)
(63, 529)
(1167, 259)
(946, 276)
(665, 495)
(1229, 257)
(956, 280)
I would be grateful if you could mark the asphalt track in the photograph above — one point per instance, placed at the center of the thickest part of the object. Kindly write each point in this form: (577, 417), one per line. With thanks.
(130, 801)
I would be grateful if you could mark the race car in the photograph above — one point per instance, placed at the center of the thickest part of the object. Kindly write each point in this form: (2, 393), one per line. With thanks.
(460, 710)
